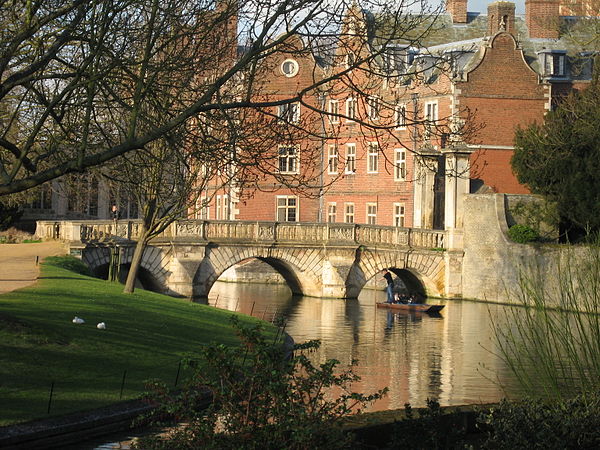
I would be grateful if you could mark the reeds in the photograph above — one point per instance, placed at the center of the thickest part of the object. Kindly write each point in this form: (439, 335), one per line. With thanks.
(551, 342)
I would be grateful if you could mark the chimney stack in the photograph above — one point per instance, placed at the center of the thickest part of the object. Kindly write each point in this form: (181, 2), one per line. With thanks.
(541, 18)
(458, 10)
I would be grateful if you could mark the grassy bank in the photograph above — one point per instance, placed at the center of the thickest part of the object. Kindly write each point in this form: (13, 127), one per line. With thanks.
(146, 336)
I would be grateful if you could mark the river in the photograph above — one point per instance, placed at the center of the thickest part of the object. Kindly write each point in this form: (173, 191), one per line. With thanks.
(449, 357)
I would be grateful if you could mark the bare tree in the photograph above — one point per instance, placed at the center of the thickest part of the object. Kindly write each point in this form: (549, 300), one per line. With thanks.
(85, 81)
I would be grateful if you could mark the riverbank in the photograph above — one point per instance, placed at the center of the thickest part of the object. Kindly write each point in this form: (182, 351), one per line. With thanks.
(52, 366)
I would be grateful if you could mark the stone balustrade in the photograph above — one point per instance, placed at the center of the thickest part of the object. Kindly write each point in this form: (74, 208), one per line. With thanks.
(260, 232)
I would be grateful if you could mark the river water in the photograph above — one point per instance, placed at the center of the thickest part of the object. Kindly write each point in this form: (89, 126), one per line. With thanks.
(449, 357)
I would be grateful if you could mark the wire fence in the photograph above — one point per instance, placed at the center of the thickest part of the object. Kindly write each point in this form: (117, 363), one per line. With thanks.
(110, 384)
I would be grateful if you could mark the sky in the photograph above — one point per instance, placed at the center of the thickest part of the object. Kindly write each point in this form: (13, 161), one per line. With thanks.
(481, 6)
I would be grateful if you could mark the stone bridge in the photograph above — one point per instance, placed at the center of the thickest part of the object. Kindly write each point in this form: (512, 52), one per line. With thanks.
(320, 260)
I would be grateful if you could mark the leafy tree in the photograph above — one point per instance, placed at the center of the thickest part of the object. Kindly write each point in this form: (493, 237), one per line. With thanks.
(560, 159)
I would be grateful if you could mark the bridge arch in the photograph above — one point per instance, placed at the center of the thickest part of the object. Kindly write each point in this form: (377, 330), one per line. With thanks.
(153, 272)
(422, 272)
(292, 263)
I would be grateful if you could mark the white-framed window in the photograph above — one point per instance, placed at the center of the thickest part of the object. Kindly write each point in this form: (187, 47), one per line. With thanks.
(400, 116)
(350, 158)
(372, 157)
(349, 212)
(399, 164)
(349, 59)
(202, 210)
(332, 158)
(431, 111)
(289, 68)
(373, 107)
(334, 111)
(350, 109)
(331, 212)
(225, 208)
(372, 213)
(431, 117)
(289, 112)
(222, 206)
(288, 159)
(399, 212)
(554, 64)
(287, 208)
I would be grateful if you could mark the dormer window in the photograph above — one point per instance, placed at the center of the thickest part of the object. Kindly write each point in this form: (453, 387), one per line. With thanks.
(553, 63)
(397, 58)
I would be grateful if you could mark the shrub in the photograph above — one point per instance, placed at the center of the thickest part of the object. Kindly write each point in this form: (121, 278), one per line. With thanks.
(573, 423)
(430, 429)
(260, 399)
(14, 236)
(9, 215)
(523, 234)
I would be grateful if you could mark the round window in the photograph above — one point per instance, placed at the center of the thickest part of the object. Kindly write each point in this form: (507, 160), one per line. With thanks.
(289, 67)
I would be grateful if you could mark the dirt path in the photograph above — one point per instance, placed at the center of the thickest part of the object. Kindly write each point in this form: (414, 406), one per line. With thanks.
(18, 263)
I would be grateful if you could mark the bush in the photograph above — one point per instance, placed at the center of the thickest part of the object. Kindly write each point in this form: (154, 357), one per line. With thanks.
(431, 429)
(523, 234)
(573, 423)
(260, 400)
(14, 236)
(9, 215)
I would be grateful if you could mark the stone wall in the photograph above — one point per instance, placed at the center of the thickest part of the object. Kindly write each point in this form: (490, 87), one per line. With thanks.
(493, 264)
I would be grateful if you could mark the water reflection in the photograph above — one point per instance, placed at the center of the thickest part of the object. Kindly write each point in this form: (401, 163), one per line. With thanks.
(448, 356)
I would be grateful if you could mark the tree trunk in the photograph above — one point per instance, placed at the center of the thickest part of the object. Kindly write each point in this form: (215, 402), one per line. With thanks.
(136, 262)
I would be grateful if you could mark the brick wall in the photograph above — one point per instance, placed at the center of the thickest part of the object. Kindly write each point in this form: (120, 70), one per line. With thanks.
(458, 10)
(542, 18)
(503, 93)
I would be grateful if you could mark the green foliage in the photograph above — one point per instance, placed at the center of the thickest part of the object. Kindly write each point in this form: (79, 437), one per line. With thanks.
(561, 158)
(522, 234)
(539, 214)
(431, 429)
(552, 342)
(69, 263)
(8, 216)
(573, 423)
(261, 399)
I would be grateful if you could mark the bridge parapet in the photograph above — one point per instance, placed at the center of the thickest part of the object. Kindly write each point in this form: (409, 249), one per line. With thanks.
(241, 231)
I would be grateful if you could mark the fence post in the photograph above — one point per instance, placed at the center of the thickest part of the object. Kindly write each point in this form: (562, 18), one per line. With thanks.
(122, 384)
(178, 370)
(50, 397)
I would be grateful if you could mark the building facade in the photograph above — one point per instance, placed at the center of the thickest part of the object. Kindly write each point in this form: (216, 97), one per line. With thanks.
(450, 121)
(397, 145)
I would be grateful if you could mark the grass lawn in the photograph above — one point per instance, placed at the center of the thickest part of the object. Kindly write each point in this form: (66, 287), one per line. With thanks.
(146, 336)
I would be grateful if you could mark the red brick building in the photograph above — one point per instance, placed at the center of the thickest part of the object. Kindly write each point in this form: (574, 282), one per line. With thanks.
(449, 129)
